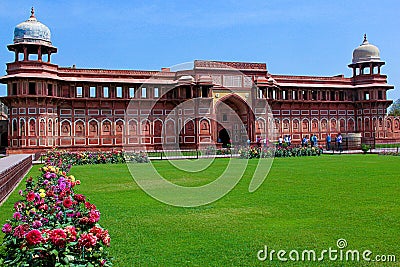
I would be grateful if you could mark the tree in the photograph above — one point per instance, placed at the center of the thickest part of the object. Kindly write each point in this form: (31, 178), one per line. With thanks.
(394, 109)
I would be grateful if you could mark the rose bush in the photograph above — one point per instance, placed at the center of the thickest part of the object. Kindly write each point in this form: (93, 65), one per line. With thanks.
(53, 226)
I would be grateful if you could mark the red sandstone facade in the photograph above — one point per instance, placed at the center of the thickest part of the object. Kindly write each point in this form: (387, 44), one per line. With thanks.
(213, 102)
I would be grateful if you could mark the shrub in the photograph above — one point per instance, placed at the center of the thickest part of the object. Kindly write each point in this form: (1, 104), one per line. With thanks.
(267, 152)
(365, 148)
(65, 158)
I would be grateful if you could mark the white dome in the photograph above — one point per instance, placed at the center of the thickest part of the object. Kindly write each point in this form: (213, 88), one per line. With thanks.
(32, 31)
(366, 52)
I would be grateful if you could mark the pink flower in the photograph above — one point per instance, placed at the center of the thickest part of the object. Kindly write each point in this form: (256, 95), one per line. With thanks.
(87, 240)
(7, 228)
(94, 216)
(34, 237)
(47, 175)
(17, 216)
(37, 224)
(19, 231)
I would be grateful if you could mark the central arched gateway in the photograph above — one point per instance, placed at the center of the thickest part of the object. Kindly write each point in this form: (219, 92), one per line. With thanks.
(234, 120)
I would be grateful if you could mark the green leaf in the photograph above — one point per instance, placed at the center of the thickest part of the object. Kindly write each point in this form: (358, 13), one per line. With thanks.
(54, 252)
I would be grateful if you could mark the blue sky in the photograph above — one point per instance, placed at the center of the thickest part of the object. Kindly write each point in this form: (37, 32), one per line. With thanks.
(292, 37)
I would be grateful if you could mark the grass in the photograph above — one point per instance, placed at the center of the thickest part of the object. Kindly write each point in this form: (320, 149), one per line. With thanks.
(305, 203)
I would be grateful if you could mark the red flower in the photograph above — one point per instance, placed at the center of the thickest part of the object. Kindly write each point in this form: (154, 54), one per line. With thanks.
(90, 206)
(58, 237)
(67, 202)
(34, 237)
(45, 235)
(101, 235)
(84, 220)
(44, 207)
(79, 197)
(30, 197)
(87, 241)
(97, 231)
(71, 233)
(105, 238)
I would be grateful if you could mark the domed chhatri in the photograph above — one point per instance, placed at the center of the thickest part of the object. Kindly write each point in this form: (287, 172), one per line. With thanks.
(366, 52)
(32, 31)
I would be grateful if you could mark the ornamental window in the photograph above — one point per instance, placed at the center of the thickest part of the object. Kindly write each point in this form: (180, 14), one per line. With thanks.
(119, 92)
(79, 91)
(92, 91)
(131, 92)
(106, 92)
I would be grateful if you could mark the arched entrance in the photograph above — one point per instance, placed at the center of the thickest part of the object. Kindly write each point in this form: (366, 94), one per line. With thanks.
(224, 138)
(234, 120)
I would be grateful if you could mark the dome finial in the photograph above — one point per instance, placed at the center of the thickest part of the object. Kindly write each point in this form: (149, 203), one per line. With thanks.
(32, 12)
(365, 42)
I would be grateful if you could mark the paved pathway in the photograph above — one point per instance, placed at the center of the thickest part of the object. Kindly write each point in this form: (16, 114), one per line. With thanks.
(10, 161)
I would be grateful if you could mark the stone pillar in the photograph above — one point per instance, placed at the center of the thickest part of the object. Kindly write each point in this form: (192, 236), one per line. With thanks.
(40, 53)
(26, 55)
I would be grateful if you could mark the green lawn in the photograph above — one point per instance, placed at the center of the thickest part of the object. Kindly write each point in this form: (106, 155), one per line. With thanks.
(305, 203)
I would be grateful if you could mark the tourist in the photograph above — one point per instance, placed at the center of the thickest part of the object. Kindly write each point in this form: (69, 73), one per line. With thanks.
(305, 141)
(280, 141)
(264, 141)
(258, 142)
(285, 139)
(248, 142)
(339, 141)
(328, 142)
(289, 140)
(315, 140)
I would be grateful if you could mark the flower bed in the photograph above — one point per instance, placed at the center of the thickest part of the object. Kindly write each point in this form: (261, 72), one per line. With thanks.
(57, 157)
(389, 153)
(258, 152)
(53, 226)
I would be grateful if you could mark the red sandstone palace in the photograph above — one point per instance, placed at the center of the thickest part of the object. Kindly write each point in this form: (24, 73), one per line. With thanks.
(213, 102)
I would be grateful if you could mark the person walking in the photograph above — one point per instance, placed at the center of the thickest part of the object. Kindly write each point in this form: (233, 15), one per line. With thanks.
(280, 141)
(315, 140)
(339, 141)
(305, 141)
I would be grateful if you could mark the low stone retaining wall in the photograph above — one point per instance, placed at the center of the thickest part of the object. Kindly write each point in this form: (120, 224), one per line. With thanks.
(12, 169)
